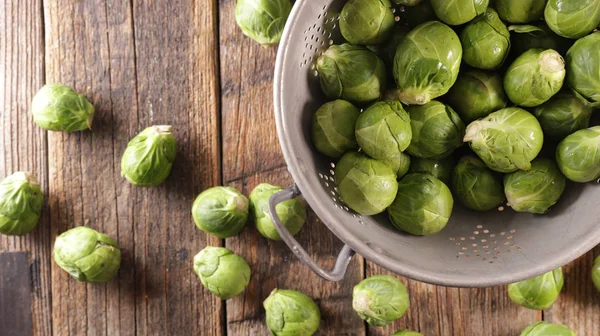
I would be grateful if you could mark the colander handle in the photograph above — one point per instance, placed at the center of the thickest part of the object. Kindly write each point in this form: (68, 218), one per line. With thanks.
(343, 258)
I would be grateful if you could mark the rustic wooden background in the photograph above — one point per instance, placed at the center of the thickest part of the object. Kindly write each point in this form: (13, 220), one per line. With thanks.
(184, 63)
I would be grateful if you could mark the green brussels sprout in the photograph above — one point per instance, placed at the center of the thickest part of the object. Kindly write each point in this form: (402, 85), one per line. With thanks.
(149, 156)
(426, 63)
(525, 37)
(440, 169)
(506, 140)
(423, 205)
(583, 67)
(333, 128)
(222, 272)
(485, 41)
(292, 213)
(380, 299)
(21, 202)
(291, 313)
(262, 20)
(352, 73)
(520, 11)
(596, 273)
(409, 2)
(383, 132)
(476, 94)
(573, 18)
(366, 185)
(406, 332)
(544, 328)
(475, 185)
(418, 14)
(367, 21)
(87, 255)
(387, 50)
(436, 130)
(404, 165)
(578, 155)
(536, 189)
(537, 293)
(57, 107)
(221, 211)
(534, 77)
(457, 12)
(563, 114)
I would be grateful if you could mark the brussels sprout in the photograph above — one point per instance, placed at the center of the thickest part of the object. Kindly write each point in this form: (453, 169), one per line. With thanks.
(351, 72)
(578, 155)
(366, 185)
(292, 213)
(583, 67)
(527, 37)
(404, 165)
(423, 205)
(87, 255)
(476, 94)
(380, 299)
(536, 189)
(367, 21)
(409, 2)
(563, 114)
(544, 328)
(57, 107)
(383, 132)
(418, 14)
(426, 63)
(475, 186)
(596, 273)
(291, 313)
(220, 211)
(520, 11)
(534, 77)
(437, 130)
(333, 128)
(222, 272)
(149, 156)
(485, 41)
(440, 169)
(457, 12)
(21, 202)
(387, 50)
(537, 293)
(262, 20)
(406, 332)
(573, 18)
(506, 140)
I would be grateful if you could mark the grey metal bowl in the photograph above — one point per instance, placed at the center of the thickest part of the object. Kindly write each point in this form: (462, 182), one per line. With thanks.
(474, 250)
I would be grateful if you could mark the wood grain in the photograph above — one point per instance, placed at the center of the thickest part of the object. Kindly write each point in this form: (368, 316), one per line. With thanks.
(15, 294)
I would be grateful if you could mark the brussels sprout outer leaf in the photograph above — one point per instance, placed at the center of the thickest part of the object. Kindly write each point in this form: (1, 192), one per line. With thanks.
(291, 313)
(574, 18)
(21, 202)
(440, 169)
(563, 114)
(476, 94)
(222, 272)
(292, 213)
(485, 41)
(333, 128)
(406, 332)
(544, 328)
(57, 107)
(221, 211)
(457, 12)
(596, 273)
(262, 20)
(578, 155)
(525, 37)
(404, 165)
(367, 22)
(380, 299)
(520, 11)
(583, 67)
(476, 186)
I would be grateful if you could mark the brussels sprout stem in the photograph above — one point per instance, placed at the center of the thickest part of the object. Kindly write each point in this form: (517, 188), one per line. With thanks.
(472, 130)
(163, 129)
(362, 303)
(28, 177)
(551, 61)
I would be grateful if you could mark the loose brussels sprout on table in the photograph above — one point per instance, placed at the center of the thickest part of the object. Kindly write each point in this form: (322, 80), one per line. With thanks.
(221, 211)
(380, 299)
(583, 67)
(426, 63)
(436, 130)
(292, 213)
(506, 140)
(537, 293)
(578, 155)
(544, 328)
(367, 22)
(406, 332)
(383, 132)
(262, 20)
(476, 186)
(352, 73)
(536, 189)
(573, 18)
(563, 114)
(476, 94)
(423, 205)
(485, 41)
(366, 185)
(457, 12)
(440, 169)
(534, 77)
(289, 312)
(525, 37)
(222, 272)
(333, 128)
(21, 202)
(57, 107)
(87, 255)
(520, 11)
(596, 273)
(149, 156)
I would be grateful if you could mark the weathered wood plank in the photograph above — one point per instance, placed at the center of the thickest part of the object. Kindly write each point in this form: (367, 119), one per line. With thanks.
(24, 145)
(15, 294)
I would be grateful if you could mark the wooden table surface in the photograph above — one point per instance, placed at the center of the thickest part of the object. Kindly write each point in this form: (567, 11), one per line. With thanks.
(184, 63)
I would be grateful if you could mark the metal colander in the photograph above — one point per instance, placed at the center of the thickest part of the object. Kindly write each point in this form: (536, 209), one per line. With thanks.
(474, 250)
